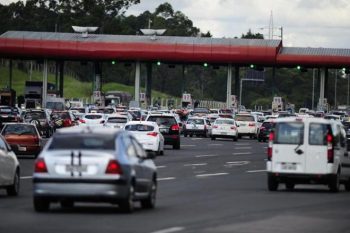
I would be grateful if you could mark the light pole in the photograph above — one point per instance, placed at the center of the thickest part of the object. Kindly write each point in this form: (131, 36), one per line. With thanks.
(335, 89)
(279, 28)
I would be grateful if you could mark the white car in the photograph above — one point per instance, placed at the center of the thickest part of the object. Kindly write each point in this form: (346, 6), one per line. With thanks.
(116, 121)
(308, 151)
(9, 169)
(147, 134)
(224, 128)
(247, 125)
(93, 119)
(198, 126)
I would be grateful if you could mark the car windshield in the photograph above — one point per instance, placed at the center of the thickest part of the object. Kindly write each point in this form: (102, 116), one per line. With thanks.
(19, 129)
(244, 118)
(55, 105)
(83, 141)
(162, 120)
(139, 127)
(93, 117)
(117, 120)
(289, 133)
(221, 122)
(195, 121)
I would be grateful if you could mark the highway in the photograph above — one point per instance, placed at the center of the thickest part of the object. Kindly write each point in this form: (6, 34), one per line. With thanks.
(207, 186)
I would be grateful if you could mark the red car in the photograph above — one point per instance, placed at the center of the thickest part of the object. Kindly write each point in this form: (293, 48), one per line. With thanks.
(63, 119)
(23, 138)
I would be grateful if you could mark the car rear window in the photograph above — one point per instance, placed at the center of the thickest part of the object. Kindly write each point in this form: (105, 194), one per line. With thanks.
(318, 133)
(117, 120)
(35, 115)
(93, 117)
(219, 122)
(139, 127)
(289, 133)
(83, 142)
(244, 118)
(19, 130)
(267, 125)
(163, 120)
(195, 121)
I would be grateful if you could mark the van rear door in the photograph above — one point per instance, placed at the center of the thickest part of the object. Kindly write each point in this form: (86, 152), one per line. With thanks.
(289, 147)
(316, 156)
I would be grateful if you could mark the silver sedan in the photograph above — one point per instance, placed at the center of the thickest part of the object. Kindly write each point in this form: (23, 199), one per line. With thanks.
(94, 165)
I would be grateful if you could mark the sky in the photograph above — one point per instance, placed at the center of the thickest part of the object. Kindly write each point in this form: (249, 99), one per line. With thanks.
(306, 23)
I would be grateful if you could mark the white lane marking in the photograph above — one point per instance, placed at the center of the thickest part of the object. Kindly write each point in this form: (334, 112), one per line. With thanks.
(242, 144)
(26, 177)
(194, 139)
(170, 230)
(195, 164)
(243, 148)
(201, 156)
(188, 145)
(256, 171)
(215, 144)
(265, 147)
(242, 153)
(166, 178)
(238, 163)
(161, 166)
(213, 174)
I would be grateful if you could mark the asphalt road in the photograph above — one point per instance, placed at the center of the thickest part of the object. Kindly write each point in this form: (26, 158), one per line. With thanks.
(207, 186)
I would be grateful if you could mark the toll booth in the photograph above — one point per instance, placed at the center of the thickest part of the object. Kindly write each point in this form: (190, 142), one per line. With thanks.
(8, 97)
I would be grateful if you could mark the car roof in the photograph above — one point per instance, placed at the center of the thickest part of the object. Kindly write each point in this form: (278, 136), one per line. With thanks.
(142, 122)
(87, 130)
(303, 119)
(116, 115)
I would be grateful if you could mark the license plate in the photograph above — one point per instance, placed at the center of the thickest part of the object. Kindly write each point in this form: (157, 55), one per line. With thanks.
(21, 148)
(289, 166)
(76, 168)
(163, 130)
(242, 124)
(223, 133)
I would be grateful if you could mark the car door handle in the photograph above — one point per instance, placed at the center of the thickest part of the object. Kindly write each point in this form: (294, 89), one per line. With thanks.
(299, 152)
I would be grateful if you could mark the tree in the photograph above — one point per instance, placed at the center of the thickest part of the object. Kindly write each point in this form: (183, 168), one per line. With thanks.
(251, 35)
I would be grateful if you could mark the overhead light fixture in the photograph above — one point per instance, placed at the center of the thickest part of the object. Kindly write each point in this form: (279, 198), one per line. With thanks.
(84, 30)
(153, 32)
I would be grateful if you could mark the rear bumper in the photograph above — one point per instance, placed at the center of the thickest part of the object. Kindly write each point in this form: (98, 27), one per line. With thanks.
(171, 139)
(223, 134)
(29, 149)
(195, 131)
(80, 190)
(302, 178)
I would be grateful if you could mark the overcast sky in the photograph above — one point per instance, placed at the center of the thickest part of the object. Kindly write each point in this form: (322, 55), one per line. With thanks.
(306, 23)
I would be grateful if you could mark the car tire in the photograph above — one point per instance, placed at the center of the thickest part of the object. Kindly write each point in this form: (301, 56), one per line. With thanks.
(213, 138)
(347, 185)
(176, 145)
(239, 136)
(235, 139)
(185, 135)
(259, 139)
(191, 135)
(150, 201)
(334, 183)
(272, 183)
(13, 189)
(41, 205)
(127, 205)
(161, 152)
(290, 186)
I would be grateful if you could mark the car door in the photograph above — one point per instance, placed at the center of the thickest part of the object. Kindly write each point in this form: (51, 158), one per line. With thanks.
(145, 177)
(8, 164)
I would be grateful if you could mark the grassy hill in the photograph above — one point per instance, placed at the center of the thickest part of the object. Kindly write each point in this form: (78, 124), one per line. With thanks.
(72, 87)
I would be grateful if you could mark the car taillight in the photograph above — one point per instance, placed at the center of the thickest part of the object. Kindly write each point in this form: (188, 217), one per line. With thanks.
(215, 127)
(175, 127)
(36, 139)
(154, 134)
(113, 167)
(251, 124)
(40, 166)
(67, 123)
(82, 121)
(269, 148)
(233, 127)
(330, 148)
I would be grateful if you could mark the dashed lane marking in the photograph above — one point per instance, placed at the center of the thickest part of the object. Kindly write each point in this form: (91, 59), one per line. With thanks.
(188, 145)
(194, 139)
(256, 171)
(212, 174)
(170, 230)
(238, 163)
(166, 178)
(161, 166)
(242, 144)
(242, 153)
(215, 144)
(195, 164)
(243, 148)
(26, 177)
(201, 156)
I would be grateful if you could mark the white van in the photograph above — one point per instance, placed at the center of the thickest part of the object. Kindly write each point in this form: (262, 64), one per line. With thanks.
(308, 151)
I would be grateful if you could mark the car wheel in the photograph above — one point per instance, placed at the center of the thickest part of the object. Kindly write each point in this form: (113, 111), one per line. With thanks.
(176, 145)
(161, 152)
(334, 183)
(191, 135)
(259, 139)
(13, 190)
(272, 183)
(235, 139)
(213, 138)
(41, 205)
(290, 186)
(185, 135)
(239, 136)
(347, 185)
(150, 201)
(127, 205)
(67, 204)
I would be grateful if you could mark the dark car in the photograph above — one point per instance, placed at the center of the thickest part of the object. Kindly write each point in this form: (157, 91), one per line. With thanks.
(347, 130)
(9, 114)
(264, 130)
(41, 119)
(169, 127)
(94, 165)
